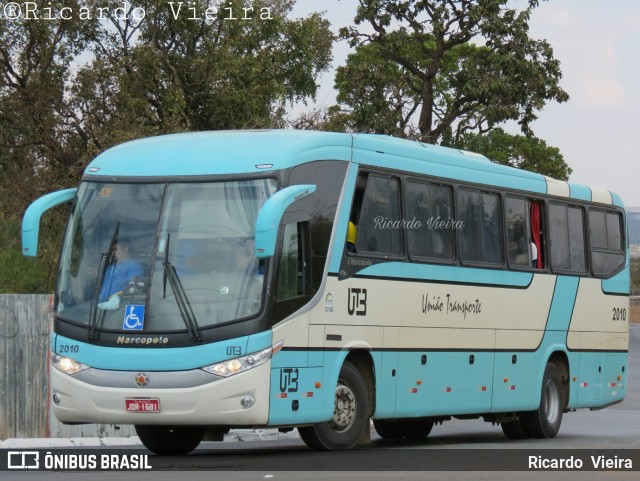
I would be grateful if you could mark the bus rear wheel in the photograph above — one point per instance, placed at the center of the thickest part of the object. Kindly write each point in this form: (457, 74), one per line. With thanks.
(515, 429)
(170, 440)
(350, 414)
(545, 421)
(410, 430)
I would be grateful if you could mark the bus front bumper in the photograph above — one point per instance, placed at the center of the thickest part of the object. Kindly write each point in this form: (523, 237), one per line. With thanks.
(110, 397)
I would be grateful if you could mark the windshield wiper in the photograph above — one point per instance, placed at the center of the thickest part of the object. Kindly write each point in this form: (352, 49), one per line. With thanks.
(184, 306)
(105, 260)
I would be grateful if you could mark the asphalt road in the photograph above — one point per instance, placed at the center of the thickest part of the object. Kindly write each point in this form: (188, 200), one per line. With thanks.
(456, 450)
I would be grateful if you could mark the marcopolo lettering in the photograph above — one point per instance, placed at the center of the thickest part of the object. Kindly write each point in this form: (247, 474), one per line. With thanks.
(146, 340)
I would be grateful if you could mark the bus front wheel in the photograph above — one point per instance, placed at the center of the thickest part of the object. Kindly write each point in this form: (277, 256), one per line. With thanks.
(350, 414)
(545, 421)
(170, 440)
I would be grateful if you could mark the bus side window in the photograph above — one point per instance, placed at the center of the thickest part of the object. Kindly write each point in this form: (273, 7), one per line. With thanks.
(431, 205)
(378, 215)
(566, 228)
(538, 239)
(606, 240)
(519, 241)
(354, 216)
(291, 271)
(481, 235)
(525, 235)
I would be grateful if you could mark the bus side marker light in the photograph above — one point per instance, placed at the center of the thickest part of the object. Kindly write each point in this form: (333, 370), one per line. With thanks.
(318, 385)
(414, 390)
(483, 388)
(575, 379)
(419, 382)
(506, 379)
(513, 388)
(584, 384)
(619, 377)
(310, 394)
(447, 389)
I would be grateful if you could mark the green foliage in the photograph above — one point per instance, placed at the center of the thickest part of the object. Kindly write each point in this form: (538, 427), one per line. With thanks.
(70, 89)
(523, 152)
(442, 72)
(19, 274)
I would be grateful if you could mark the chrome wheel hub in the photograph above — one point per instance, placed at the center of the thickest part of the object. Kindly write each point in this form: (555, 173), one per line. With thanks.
(551, 402)
(344, 412)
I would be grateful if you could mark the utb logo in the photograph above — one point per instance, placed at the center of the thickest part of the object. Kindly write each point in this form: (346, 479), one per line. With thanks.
(357, 303)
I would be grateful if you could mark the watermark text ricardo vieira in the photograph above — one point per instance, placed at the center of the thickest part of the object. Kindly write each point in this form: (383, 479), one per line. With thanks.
(126, 11)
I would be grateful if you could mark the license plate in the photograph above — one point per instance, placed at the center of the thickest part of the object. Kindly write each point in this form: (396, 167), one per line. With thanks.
(142, 405)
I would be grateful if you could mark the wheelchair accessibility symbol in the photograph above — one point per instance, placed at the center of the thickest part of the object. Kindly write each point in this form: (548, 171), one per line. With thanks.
(133, 318)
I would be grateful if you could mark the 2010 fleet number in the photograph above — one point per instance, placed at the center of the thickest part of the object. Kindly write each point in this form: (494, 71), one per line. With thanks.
(619, 314)
(68, 348)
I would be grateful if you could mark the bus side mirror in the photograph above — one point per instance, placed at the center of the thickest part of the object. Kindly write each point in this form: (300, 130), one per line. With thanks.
(31, 220)
(270, 215)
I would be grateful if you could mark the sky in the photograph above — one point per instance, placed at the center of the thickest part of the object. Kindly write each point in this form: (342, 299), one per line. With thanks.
(598, 45)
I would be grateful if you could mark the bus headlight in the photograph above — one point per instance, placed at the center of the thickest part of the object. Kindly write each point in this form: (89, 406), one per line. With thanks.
(244, 363)
(67, 365)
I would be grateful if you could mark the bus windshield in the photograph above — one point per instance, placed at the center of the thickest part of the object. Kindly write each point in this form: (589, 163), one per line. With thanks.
(162, 257)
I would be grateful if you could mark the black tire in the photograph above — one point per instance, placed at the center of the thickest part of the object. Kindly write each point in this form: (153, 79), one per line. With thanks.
(386, 429)
(545, 421)
(350, 417)
(170, 440)
(410, 430)
(515, 430)
(415, 431)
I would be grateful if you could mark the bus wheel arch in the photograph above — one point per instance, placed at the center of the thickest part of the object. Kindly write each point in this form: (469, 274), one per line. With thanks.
(544, 422)
(561, 360)
(350, 423)
(362, 360)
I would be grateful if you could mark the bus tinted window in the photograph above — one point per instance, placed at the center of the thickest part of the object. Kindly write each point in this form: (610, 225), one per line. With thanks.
(605, 234)
(597, 229)
(290, 276)
(480, 238)
(378, 229)
(431, 206)
(567, 238)
(614, 231)
(518, 245)
(575, 218)
(559, 237)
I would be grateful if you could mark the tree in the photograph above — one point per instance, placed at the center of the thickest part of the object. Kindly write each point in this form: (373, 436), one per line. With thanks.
(444, 70)
(72, 87)
(178, 69)
(35, 121)
(521, 151)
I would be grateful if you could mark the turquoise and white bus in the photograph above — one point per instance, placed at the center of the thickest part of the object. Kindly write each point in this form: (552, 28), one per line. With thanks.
(318, 281)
